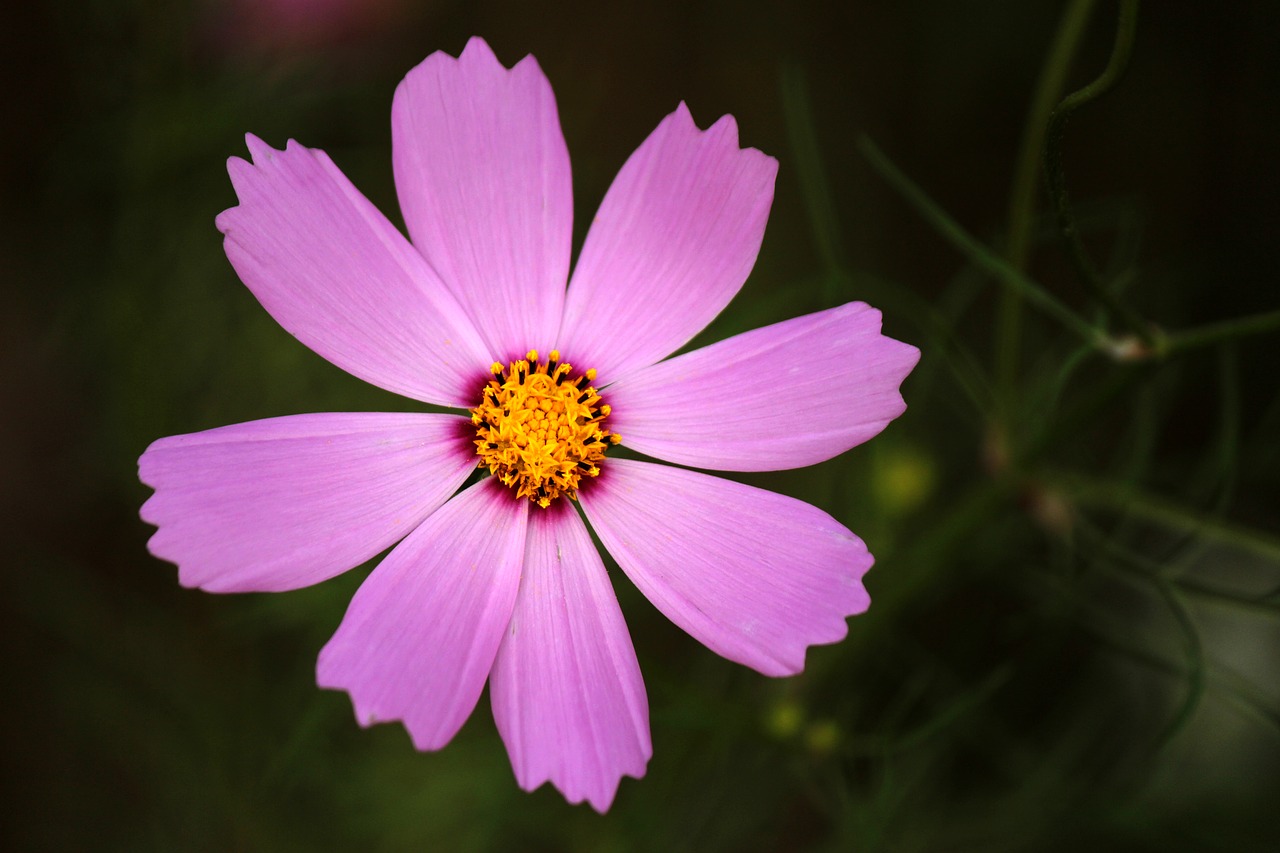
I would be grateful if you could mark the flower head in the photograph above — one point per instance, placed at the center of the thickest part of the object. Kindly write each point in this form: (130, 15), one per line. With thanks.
(501, 581)
(540, 428)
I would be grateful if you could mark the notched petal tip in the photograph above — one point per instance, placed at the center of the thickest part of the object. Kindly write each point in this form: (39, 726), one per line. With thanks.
(528, 66)
(238, 167)
(224, 221)
(244, 172)
(567, 694)
(681, 226)
(758, 585)
(364, 708)
(601, 796)
(726, 126)
(264, 160)
(477, 58)
(476, 53)
(261, 152)
(419, 637)
(723, 130)
(903, 355)
(803, 391)
(366, 717)
(148, 511)
(477, 50)
(288, 502)
(147, 461)
(483, 179)
(337, 275)
(600, 801)
(908, 354)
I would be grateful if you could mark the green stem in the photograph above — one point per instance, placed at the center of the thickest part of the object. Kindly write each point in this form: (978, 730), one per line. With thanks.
(1195, 666)
(1065, 426)
(1128, 500)
(1126, 28)
(814, 184)
(1025, 182)
(978, 254)
(1227, 683)
(1269, 603)
(1217, 332)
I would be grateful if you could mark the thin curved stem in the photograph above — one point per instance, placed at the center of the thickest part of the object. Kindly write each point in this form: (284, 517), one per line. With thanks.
(1122, 49)
(1048, 91)
(978, 254)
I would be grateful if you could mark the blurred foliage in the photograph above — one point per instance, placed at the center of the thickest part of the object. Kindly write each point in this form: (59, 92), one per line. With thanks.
(1074, 636)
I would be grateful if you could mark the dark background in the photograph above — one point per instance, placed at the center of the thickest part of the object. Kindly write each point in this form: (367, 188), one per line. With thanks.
(1073, 638)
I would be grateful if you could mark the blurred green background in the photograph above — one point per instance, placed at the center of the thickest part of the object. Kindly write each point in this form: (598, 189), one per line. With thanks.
(1073, 638)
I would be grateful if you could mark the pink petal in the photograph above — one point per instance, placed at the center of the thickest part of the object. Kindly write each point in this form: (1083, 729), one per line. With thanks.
(566, 688)
(783, 396)
(340, 278)
(755, 576)
(288, 502)
(674, 240)
(420, 635)
(483, 177)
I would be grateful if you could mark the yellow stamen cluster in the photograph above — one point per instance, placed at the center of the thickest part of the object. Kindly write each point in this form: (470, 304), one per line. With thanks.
(539, 428)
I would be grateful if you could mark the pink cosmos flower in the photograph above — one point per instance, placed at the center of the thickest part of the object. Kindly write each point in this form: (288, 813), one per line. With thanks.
(501, 581)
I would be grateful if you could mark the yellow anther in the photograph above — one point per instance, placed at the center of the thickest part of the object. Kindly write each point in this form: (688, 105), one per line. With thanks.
(538, 431)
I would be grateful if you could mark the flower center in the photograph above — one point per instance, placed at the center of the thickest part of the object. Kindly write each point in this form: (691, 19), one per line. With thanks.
(539, 428)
